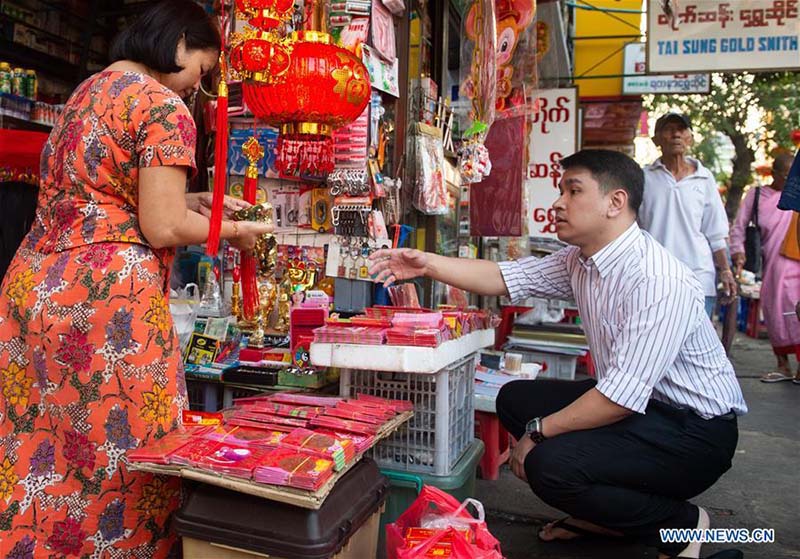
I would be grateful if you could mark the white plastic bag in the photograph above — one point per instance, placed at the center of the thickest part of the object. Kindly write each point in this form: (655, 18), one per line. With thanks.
(184, 305)
(455, 519)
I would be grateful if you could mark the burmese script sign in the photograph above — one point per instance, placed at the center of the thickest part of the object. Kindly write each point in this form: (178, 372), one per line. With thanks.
(554, 134)
(636, 82)
(713, 35)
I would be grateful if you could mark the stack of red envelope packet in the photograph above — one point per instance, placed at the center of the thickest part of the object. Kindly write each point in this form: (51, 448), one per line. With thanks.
(348, 425)
(340, 451)
(398, 406)
(253, 414)
(159, 451)
(304, 399)
(360, 442)
(293, 468)
(285, 410)
(245, 436)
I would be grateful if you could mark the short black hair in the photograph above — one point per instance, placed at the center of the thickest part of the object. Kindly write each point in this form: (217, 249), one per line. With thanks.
(153, 38)
(612, 170)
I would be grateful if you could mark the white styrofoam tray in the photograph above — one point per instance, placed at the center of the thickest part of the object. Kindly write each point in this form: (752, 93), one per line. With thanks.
(399, 359)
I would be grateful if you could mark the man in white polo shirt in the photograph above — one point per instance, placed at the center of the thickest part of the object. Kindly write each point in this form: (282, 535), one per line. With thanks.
(682, 208)
(621, 454)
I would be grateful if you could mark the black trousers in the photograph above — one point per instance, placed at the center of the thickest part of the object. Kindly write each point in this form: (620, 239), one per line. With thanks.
(634, 476)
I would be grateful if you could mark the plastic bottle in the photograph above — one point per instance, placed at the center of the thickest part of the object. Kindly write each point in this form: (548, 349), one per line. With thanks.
(5, 77)
(31, 85)
(18, 82)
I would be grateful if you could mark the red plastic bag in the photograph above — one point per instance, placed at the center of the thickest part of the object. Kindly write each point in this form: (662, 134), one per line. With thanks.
(433, 499)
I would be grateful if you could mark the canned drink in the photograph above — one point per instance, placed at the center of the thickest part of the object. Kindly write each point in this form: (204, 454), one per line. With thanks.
(18, 82)
(31, 85)
(5, 77)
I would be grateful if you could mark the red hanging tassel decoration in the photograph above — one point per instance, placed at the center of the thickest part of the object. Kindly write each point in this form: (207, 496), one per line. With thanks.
(250, 300)
(220, 166)
(220, 148)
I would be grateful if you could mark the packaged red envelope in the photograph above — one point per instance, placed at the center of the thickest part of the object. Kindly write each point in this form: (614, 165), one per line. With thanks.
(259, 425)
(191, 417)
(285, 410)
(354, 414)
(245, 436)
(233, 460)
(264, 417)
(194, 452)
(159, 451)
(382, 412)
(341, 451)
(398, 405)
(361, 442)
(285, 466)
(304, 399)
(338, 424)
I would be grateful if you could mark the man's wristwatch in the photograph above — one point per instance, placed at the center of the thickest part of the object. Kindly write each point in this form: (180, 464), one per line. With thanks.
(534, 430)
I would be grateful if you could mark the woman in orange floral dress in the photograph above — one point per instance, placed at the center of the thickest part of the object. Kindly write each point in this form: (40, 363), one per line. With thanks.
(89, 361)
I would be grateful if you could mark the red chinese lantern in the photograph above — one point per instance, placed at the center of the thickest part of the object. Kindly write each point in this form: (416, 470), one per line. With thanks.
(796, 137)
(266, 14)
(307, 88)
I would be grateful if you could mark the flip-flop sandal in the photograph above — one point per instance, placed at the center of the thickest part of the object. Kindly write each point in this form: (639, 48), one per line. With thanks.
(580, 533)
(776, 377)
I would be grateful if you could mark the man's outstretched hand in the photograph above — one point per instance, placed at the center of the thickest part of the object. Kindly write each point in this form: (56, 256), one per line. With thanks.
(391, 265)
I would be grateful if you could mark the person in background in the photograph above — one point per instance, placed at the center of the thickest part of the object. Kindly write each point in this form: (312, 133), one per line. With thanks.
(780, 282)
(683, 211)
(621, 454)
(90, 366)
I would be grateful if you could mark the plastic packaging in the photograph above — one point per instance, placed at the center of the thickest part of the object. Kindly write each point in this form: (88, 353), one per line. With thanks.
(184, 305)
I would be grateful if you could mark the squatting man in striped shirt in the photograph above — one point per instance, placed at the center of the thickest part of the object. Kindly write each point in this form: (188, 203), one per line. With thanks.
(622, 454)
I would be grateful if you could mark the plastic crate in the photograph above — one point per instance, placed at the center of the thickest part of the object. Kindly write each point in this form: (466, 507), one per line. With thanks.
(231, 393)
(443, 425)
(204, 396)
(403, 489)
(554, 365)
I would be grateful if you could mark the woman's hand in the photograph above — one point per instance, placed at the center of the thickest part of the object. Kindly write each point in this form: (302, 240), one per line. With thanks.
(390, 265)
(738, 260)
(201, 202)
(246, 233)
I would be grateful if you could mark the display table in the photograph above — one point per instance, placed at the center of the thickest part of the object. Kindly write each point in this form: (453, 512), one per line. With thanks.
(288, 495)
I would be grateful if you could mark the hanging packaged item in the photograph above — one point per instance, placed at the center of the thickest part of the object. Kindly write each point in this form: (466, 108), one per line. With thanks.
(431, 196)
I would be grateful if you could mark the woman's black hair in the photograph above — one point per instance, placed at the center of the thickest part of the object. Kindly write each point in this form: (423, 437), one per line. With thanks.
(153, 38)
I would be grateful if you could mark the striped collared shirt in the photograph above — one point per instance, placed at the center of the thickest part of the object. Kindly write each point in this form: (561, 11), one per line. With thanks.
(644, 316)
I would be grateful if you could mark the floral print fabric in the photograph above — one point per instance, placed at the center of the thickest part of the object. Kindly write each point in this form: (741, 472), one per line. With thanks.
(89, 363)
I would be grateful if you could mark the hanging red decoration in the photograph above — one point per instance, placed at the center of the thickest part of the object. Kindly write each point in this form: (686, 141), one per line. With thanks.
(795, 136)
(304, 85)
(220, 150)
(253, 151)
(266, 14)
(324, 87)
